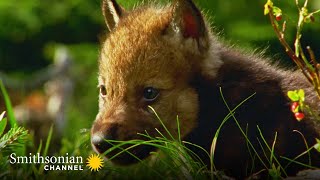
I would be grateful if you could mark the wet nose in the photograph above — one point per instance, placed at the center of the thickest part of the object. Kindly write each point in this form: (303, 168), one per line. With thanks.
(100, 143)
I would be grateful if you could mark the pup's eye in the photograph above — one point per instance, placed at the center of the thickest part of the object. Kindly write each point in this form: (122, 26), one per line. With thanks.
(103, 90)
(150, 93)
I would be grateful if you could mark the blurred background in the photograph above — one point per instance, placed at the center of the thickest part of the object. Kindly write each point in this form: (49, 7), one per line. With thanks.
(49, 51)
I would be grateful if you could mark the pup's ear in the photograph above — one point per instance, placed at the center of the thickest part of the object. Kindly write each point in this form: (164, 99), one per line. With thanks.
(112, 13)
(187, 20)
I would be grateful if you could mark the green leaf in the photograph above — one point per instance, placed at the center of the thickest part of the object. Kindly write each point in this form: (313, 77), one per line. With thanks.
(7, 101)
(304, 11)
(3, 123)
(266, 7)
(301, 95)
(293, 95)
(307, 19)
(276, 11)
(275, 172)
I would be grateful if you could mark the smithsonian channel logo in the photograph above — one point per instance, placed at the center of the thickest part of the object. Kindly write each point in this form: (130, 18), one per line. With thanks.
(59, 163)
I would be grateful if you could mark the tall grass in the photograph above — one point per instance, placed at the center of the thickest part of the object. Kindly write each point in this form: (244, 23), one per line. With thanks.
(176, 160)
(173, 159)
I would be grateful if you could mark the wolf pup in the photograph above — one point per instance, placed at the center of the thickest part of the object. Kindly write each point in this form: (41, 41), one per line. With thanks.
(168, 58)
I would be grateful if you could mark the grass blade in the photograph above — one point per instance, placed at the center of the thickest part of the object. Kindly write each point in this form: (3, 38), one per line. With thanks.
(241, 130)
(46, 148)
(48, 141)
(8, 104)
(165, 128)
(3, 123)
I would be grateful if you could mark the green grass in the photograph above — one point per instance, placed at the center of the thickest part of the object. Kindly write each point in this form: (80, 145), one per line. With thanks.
(173, 159)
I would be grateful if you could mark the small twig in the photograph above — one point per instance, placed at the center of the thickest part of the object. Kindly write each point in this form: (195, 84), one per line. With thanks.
(305, 3)
(316, 69)
(297, 4)
(312, 56)
(315, 12)
(288, 49)
(297, 44)
(284, 26)
(311, 70)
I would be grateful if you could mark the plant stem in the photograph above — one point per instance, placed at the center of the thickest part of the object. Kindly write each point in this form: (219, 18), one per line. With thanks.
(288, 49)
(310, 71)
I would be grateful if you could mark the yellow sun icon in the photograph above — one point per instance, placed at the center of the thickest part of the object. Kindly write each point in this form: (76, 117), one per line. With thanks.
(94, 162)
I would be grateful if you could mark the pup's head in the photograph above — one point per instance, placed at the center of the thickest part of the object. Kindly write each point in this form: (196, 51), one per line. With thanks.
(150, 58)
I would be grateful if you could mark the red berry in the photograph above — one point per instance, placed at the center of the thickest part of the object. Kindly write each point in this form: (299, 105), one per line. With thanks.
(294, 107)
(299, 116)
(278, 17)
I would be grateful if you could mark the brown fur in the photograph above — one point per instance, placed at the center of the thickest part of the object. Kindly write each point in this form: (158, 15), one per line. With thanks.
(172, 49)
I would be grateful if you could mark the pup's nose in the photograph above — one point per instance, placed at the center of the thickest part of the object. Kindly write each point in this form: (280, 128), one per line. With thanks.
(100, 143)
